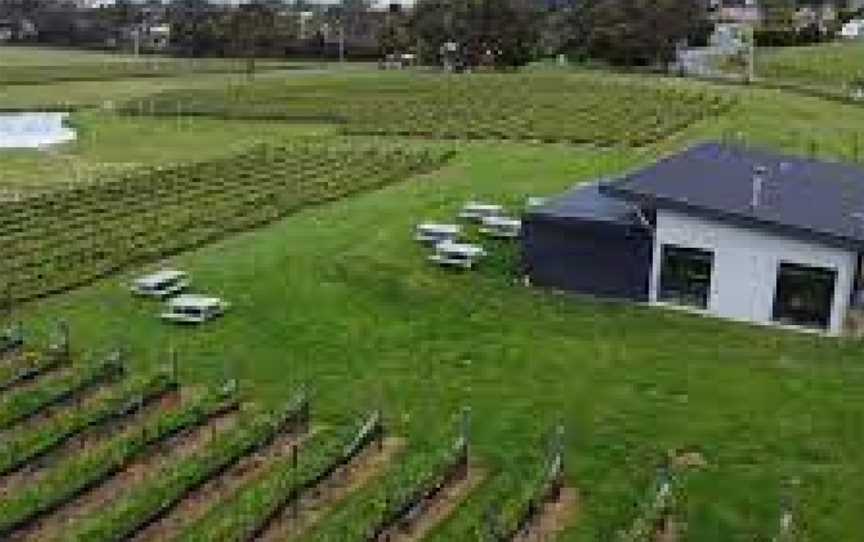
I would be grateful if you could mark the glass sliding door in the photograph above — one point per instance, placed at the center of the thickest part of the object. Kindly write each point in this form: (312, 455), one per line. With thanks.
(685, 276)
(804, 295)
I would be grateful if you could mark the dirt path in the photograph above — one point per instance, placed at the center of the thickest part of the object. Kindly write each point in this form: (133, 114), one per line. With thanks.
(315, 504)
(201, 501)
(553, 518)
(174, 449)
(35, 470)
(440, 508)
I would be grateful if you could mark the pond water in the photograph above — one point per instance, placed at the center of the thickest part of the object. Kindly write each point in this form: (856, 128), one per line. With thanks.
(34, 130)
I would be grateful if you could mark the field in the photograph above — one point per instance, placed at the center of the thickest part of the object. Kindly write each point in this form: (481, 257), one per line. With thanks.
(335, 298)
(25, 66)
(544, 107)
(64, 238)
(50, 56)
(103, 150)
(836, 68)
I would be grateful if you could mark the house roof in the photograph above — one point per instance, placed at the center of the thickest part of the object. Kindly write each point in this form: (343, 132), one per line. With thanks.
(802, 198)
(586, 203)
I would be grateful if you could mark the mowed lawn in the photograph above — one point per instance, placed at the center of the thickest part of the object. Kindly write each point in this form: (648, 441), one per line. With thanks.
(340, 298)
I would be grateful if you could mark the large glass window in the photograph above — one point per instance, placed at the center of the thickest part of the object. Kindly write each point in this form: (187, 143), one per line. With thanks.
(804, 295)
(685, 276)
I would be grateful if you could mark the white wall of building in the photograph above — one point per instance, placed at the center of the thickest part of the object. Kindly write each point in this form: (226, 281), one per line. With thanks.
(746, 262)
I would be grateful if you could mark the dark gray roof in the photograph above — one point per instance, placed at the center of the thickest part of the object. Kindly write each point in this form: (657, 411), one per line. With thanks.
(585, 203)
(802, 198)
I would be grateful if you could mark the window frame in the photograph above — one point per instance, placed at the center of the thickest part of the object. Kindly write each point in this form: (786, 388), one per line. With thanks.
(681, 300)
(822, 324)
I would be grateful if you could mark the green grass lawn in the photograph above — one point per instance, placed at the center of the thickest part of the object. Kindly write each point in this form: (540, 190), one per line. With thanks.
(339, 297)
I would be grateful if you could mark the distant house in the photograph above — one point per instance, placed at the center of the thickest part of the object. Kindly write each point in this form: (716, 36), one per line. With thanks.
(93, 4)
(7, 30)
(751, 12)
(723, 230)
(738, 11)
(729, 38)
(17, 29)
(853, 30)
(156, 37)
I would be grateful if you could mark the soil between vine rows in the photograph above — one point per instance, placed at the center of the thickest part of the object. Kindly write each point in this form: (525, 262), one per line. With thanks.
(316, 503)
(55, 409)
(174, 449)
(199, 502)
(29, 382)
(553, 518)
(670, 532)
(46, 412)
(437, 509)
(92, 436)
(51, 408)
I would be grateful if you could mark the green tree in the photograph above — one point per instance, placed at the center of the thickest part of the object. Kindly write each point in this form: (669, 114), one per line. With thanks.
(506, 30)
(778, 15)
(636, 32)
(252, 28)
(394, 36)
(196, 28)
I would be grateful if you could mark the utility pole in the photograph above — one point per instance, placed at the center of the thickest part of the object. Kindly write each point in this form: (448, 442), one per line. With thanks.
(341, 41)
(136, 37)
(751, 56)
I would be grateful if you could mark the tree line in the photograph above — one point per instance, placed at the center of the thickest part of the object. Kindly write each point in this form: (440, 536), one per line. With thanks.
(470, 33)
(513, 32)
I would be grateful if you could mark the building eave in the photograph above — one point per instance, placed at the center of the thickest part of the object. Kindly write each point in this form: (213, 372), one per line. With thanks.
(651, 201)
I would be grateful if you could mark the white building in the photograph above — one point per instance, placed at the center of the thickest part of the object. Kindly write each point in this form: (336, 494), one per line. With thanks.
(745, 270)
(852, 30)
(721, 230)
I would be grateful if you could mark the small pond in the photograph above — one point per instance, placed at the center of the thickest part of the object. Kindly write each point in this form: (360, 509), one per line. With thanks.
(34, 130)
